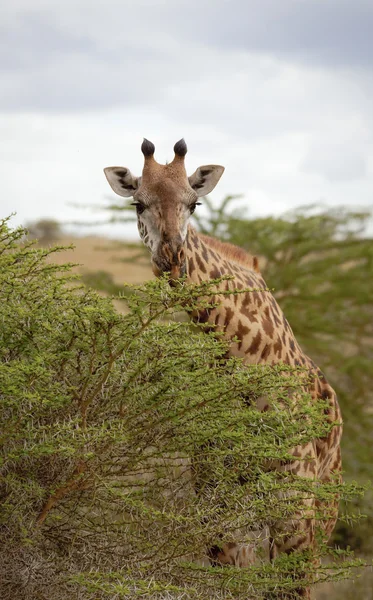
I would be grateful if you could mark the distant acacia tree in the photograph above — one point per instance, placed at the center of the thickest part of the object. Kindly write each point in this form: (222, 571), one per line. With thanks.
(44, 230)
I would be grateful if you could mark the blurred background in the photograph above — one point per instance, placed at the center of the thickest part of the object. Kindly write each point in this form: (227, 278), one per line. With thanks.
(279, 92)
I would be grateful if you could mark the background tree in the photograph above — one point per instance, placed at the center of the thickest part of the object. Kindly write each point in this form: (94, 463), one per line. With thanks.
(44, 230)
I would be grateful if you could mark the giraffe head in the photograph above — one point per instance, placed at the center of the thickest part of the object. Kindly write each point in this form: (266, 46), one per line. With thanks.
(165, 198)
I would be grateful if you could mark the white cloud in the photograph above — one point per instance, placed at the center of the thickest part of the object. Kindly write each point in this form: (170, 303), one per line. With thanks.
(83, 96)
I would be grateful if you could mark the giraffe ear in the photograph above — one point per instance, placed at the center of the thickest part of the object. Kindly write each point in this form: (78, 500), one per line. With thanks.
(205, 179)
(122, 181)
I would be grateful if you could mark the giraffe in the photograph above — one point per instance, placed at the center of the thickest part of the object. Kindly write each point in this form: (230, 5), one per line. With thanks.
(165, 198)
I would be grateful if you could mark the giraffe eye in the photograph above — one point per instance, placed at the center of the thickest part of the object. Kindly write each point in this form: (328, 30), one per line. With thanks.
(139, 207)
(193, 207)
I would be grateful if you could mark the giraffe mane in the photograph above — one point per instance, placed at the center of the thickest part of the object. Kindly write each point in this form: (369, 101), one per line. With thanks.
(232, 252)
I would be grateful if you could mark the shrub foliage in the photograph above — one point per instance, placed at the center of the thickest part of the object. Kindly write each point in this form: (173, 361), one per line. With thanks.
(130, 445)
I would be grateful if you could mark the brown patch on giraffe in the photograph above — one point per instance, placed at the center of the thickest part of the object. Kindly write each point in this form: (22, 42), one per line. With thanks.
(229, 314)
(337, 462)
(188, 243)
(277, 347)
(255, 344)
(227, 268)
(325, 393)
(246, 299)
(191, 266)
(195, 242)
(245, 310)
(277, 320)
(265, 352)
(201, 264)
(321, 452)
(215, 274)
(257, 299)
(268, 327)
(242, 330)
(252, 315)
(205, 254)
(286, 324)
(275, 305)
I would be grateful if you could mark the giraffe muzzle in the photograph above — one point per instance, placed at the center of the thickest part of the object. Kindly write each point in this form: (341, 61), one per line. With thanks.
(170, 258)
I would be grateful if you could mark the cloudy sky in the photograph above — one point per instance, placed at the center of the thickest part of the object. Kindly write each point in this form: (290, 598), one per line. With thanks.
(278, 91)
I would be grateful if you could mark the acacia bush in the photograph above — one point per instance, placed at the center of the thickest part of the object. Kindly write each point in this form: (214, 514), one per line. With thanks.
(130, 445)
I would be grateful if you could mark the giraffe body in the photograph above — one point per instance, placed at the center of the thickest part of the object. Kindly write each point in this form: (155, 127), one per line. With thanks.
(165, 198)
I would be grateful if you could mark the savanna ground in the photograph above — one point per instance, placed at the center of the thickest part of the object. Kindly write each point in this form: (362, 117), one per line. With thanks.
(98, 254)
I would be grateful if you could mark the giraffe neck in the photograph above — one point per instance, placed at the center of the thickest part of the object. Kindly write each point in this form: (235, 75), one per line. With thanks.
(254, 318)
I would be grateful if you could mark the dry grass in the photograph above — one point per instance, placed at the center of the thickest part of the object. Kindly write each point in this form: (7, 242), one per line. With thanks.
(101, 254)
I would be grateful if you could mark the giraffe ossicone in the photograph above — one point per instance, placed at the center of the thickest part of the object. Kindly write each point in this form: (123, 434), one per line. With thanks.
(165, 198)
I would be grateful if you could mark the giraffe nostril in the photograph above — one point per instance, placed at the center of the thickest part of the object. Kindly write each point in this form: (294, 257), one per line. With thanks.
(170, 256)
(181, 255)
(167, 252)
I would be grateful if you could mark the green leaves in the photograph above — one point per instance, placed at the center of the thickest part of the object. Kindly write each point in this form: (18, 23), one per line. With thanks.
(130, 446)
